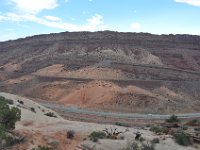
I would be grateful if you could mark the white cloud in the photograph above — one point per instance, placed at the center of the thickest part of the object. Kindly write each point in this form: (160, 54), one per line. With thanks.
(2, 18)
(52, 18)
(190, 2)
(135, 25)
(34, 6)
(92, 24)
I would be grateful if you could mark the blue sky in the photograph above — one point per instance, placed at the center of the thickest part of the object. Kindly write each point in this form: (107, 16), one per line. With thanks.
(21, 18)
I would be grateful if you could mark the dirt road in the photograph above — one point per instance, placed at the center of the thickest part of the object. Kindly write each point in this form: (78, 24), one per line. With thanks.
(117, 115)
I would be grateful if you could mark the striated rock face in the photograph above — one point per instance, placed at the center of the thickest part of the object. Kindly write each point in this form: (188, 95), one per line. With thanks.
(61, 67)
(177, 51)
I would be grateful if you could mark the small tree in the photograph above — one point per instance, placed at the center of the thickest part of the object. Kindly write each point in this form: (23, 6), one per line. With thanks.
(173, 119)
(8, 116)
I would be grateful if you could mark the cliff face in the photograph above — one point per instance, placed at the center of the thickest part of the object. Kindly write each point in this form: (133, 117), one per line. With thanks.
(166, 66)
(177, 51)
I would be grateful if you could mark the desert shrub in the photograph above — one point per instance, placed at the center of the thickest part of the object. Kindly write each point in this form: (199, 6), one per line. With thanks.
(196, 129)
(156, 130)
(141, 139)
(33, 109)
(122, 124)
(173, 119)
(183, 139)
(43, 148)
(70, 134)
(2, 99)
(184, 128)
(9, 116)
(194, 122)
(50, 114)
(21, 102)
(9, 101)
(2, 131)
(87, 147)
(155, 140)
(10, 140)
(132, 146)
(148, 146)
(96, 135)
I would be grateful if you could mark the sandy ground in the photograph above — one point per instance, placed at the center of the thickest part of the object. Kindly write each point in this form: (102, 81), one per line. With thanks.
(42, 130)
(87, 72)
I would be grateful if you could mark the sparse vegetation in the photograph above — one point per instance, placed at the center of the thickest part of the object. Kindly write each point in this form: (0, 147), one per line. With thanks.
(96, 135)
(148, 146)
(194, 122)
(173, 119)
(70, 134)
(141, 139)
(33, 109)
(50, 114)
(183, 139)
(86, 147)
(135, 146)
(157, 130)
(155, 141)
(21, 102)
(9, 101)
(184, 128)
(43, 148)
(122, 124)
(113, 133)
(8, 118)
(132, 146)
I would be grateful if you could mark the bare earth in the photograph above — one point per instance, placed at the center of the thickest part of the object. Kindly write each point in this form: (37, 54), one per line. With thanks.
(42, 130)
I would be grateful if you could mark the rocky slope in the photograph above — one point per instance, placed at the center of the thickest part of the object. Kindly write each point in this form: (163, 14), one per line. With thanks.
(166, 67)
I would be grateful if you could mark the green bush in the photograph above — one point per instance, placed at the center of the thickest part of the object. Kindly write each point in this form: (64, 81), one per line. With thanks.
(141, 139)
(173, 119)
(70, 134)
(2, 131)
(194, 122)
(9, 101)
(155, 141)
(96, 135)
(132, 146)
(33, 109)
(156, 130)
(184, 128)
(122, 124)
(148, 147)
(9, 116)
(183, 139)
(21, 102)
(50, 114)
(43, 148)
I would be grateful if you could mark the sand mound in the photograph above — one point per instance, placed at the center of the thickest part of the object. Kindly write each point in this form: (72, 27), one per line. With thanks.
(87, 72)
(95, 92)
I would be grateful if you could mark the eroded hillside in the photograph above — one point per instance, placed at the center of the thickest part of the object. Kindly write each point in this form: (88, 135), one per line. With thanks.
(129, 72)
